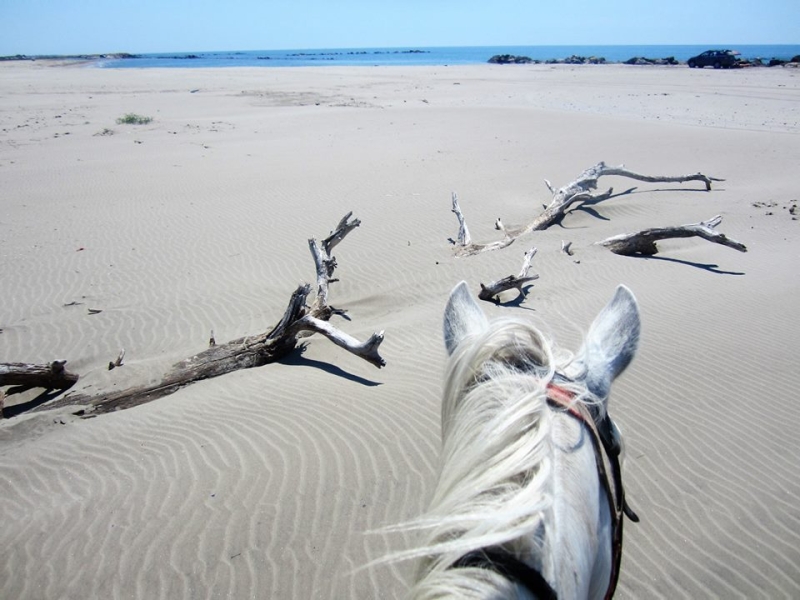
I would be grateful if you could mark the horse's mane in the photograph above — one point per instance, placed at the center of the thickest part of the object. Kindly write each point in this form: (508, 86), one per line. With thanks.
(495, 482)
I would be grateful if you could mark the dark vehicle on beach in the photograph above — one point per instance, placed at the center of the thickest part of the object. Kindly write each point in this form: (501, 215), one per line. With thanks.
(719, 59)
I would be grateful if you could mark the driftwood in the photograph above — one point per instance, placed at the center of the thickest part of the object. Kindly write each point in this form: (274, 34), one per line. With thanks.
(488, 292)
(118, 362)
(580, 191)
(51, 376)
(251, 351)
(464, 245)
(643, 243)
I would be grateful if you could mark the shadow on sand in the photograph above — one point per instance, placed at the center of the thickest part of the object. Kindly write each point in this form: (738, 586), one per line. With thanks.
(296, 359)
(711, 268)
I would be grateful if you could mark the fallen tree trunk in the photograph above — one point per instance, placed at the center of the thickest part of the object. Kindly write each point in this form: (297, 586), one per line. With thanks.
(250, 351)
(643, 243)
(52, 376)
(569, 196)
(489, 292)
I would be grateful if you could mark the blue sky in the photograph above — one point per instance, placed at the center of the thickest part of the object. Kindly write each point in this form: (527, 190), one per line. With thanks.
(96, 26)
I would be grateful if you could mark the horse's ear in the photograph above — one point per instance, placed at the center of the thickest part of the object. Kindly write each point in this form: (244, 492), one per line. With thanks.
(611, 342)
(462, 316)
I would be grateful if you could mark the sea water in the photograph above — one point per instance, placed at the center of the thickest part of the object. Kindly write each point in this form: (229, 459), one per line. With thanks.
(435, 56)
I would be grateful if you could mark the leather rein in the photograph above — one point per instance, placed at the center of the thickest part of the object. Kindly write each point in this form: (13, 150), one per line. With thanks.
(606, 451)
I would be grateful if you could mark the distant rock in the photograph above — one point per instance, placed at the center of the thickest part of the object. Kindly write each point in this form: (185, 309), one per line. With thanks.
(641, 60)
(118, 55)
(578, 60)
(510, 59)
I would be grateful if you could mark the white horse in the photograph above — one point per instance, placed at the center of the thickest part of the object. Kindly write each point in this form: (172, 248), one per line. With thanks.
(529, 501)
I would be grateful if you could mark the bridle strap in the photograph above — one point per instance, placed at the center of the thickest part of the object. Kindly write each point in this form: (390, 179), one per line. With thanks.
(504, 563)
(608, 470)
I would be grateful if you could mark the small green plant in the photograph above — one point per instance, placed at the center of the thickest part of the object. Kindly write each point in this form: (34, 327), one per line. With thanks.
(134, 119)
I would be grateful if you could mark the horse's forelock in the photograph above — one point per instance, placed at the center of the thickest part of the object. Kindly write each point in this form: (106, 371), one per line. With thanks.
(493, 488)
(509, 346)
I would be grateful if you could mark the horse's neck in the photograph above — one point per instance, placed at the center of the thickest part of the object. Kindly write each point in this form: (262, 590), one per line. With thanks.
(578, 538)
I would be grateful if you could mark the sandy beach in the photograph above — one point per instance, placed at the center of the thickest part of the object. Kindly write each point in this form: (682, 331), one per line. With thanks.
(276, 482)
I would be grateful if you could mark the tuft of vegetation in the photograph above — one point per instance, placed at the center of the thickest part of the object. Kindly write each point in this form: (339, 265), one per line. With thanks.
(134, 119)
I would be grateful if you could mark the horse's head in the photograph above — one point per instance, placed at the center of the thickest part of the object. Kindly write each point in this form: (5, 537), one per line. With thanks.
(607, 350)
(522, 432)
(529, 499)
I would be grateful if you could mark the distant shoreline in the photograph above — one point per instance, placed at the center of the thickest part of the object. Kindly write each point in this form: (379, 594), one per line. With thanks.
(34, 57)
(656, 55)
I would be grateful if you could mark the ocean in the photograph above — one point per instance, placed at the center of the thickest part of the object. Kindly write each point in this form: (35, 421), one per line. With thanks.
(435, 56)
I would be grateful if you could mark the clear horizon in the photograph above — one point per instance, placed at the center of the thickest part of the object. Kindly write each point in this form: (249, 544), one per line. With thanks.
(147, 26)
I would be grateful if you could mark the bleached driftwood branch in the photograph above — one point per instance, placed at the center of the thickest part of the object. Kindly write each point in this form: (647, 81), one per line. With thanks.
(464, 247)
(644, 242)
(344, 227)
(488, 292)
(580, 191)
(325, 264)
(250, 351)
(50, 376)
(118, 362)
(463, 232)
(367, 350)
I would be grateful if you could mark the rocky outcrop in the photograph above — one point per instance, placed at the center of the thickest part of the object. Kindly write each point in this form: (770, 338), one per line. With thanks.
(511, 59)
(641, 60)
(578, 60)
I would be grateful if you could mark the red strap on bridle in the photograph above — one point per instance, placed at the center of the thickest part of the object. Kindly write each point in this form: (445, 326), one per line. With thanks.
(608, 470)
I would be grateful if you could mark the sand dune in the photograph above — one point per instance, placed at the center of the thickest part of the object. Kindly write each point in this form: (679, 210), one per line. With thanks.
(266, 483)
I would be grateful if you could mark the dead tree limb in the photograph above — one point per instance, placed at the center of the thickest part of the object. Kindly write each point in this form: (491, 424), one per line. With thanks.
(488, 292)
(463, 232)
(367, 350)
(581, 191)
(118, 362)
(643, 243)
(51, 376)
(464, 245)
(250, 351)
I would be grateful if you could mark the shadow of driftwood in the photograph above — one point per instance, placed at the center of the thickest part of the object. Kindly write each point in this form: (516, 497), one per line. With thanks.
(711, 268)
(23, 407)
(587, 206)
(296, 359)
(515, 302)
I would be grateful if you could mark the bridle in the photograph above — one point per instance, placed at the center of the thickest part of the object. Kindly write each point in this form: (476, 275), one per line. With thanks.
(606, 451)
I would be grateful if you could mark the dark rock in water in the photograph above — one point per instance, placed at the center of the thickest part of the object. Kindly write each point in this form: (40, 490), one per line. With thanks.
(510, 59)
(776, 62)
(795, 59)
(641, 60)
(578, 60)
